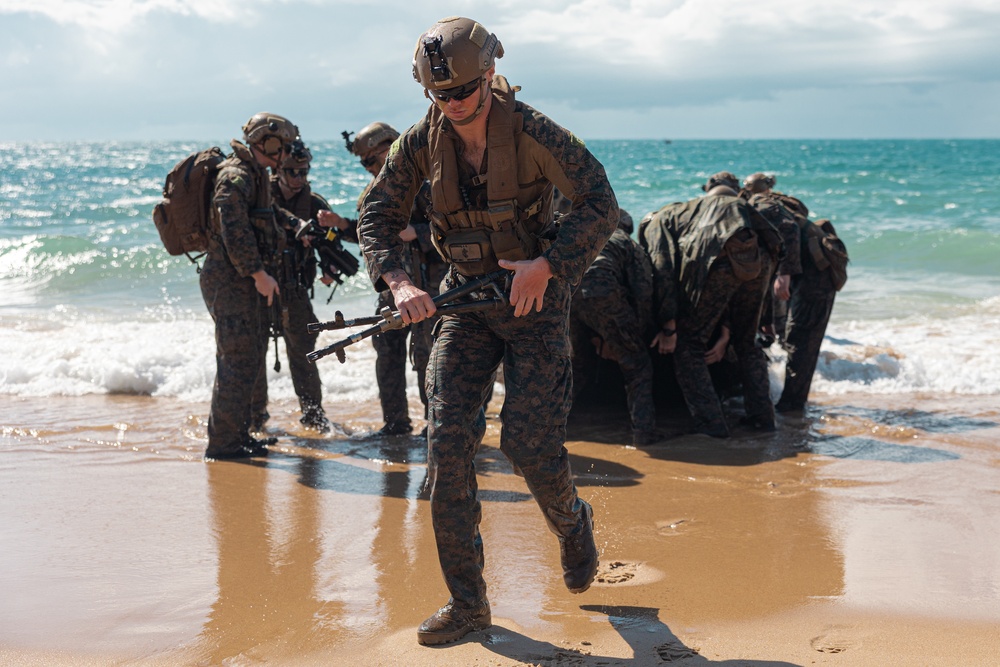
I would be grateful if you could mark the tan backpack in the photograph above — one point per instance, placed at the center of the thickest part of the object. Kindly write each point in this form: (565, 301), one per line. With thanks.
(827, 251)
(185, 217)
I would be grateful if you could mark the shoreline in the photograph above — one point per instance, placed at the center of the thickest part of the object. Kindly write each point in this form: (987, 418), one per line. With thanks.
(857, 535)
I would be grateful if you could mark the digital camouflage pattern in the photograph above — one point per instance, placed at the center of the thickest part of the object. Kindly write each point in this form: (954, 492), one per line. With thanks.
(535, 353)
(239, 312)
(785, 221)
(691, 240)
(545, 150)
(685, 239)
(295, 280)
(741, 301)
(808, 316)
(813, 295)
(613, 302)
(426, 269)
(468, 349)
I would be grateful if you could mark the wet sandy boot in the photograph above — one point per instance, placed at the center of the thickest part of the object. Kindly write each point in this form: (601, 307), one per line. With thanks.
(579, 553)
(453, 621)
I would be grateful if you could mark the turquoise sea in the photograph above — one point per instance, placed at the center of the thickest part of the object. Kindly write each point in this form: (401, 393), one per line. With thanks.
(90, 302)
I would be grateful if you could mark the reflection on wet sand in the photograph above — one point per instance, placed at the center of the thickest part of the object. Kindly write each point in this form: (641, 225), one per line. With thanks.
(121, 546)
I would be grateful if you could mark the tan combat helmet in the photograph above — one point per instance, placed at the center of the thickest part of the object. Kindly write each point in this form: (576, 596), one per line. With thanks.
(451, 58)
(371, 138)
(270, 132)
(298, 156)
(722, 178)
(759, 182)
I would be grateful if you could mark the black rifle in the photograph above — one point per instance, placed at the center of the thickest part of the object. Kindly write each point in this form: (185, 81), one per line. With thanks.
(334, 260)
(276, 327)
(389, 319)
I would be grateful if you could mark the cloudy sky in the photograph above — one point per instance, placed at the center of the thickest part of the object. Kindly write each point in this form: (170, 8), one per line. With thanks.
(197, 69)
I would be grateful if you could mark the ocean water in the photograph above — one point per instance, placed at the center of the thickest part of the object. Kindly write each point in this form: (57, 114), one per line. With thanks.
(90, 302)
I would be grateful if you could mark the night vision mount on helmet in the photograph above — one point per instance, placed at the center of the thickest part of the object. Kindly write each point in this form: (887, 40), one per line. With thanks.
(271, 132)
(369, 138)
(298, 156)
(452, 54)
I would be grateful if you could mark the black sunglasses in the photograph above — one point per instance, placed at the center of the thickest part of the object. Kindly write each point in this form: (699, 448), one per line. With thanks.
(297, 173)
(458, 92)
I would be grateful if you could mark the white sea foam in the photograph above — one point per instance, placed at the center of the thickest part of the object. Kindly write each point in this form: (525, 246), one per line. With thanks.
(953, 356)
(172, 354)
(75, 355)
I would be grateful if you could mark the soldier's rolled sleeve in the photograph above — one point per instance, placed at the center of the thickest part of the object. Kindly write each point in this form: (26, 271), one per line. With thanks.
(231, 198)
(386, 212)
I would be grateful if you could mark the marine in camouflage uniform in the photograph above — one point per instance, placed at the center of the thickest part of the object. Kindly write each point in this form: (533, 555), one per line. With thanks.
(810, 293)
(290, 191)
(425, 265)
(614, 302)
(713, 256)
(527, 154)
(238, 280)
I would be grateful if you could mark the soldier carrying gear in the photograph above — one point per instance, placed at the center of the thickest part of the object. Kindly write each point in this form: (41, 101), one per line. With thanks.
(491, 208)
(270, 133)
(452, 59)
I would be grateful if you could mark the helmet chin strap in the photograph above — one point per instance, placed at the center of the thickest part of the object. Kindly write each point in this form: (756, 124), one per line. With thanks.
(484, 90)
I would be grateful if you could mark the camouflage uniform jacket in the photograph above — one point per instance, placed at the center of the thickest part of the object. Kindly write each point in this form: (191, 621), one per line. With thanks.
(622, 266)
(248, 223)
(685, 239)
(772, 207)
(545, 152)
(423, 257)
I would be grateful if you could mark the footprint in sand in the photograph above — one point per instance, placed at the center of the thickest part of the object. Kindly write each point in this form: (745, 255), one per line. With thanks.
(837, 640)
(673, 651)
(616, 572)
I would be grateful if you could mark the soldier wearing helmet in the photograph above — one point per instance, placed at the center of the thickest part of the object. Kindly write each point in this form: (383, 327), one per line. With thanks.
(371, 146)
(491, 209)
(712, 259)
(238, 279)
(610, 318)
(805, 293)
(291, 192)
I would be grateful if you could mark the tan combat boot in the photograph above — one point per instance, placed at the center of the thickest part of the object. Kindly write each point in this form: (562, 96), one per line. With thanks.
(453, 621)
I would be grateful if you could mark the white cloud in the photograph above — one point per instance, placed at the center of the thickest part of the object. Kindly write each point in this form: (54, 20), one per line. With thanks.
(113, 16)
(341, 63)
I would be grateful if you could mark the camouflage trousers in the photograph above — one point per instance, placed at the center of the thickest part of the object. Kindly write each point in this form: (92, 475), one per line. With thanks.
(297, 313)
(241, 324)
(535, 353)
(808, 315)
(724, 294)
(391, 358)
(613, 319)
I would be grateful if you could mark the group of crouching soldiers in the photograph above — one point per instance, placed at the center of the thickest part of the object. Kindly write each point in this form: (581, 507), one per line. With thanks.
(688, 311)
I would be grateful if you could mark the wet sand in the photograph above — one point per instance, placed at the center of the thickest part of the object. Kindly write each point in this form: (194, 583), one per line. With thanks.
(864, 533)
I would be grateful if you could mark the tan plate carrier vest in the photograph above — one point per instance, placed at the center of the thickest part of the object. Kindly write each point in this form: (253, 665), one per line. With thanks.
(473, 240)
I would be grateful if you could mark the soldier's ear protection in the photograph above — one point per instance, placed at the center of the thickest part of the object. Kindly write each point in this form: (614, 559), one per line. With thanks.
(272, 145)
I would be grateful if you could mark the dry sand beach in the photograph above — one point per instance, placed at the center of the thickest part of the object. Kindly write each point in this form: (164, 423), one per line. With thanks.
(861, 534)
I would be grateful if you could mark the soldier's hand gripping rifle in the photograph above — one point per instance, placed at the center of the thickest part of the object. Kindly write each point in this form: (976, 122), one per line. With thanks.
(334, 260)
(389, 319)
